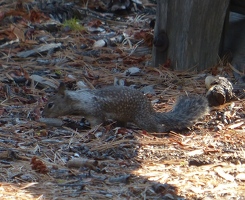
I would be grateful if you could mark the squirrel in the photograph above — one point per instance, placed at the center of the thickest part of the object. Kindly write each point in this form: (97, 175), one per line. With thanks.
(124, 104)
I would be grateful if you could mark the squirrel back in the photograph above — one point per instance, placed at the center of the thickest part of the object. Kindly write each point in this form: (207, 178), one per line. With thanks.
(124, 104)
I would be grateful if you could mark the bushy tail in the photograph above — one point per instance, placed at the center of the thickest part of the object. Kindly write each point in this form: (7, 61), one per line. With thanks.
(185, 113)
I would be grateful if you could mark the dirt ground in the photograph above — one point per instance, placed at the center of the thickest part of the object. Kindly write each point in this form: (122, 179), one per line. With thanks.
(206, 161)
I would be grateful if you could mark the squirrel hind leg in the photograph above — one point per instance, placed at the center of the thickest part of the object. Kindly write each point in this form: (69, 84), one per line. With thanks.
(121, 124)
(94, 121)
(148, 124)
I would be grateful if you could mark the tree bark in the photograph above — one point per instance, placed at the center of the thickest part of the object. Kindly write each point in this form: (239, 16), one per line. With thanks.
(193, 29)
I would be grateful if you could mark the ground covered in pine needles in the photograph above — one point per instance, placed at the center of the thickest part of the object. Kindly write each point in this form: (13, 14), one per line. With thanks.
(72, 161)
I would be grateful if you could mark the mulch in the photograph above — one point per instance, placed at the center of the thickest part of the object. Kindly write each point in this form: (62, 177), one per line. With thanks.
(206, 161)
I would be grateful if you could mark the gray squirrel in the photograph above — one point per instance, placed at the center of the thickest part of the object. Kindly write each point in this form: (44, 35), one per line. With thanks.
(124, 104)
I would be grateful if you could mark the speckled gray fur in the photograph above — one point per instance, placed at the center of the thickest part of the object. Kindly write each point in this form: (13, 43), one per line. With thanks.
(125, 104)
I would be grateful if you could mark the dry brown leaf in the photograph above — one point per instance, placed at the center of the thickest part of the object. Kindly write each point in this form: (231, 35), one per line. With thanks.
(19, 33)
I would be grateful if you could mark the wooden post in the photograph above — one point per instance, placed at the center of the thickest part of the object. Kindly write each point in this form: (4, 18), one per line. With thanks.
(193, 29)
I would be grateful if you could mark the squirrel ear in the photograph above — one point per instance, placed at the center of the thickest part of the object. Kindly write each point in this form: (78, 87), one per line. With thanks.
(61, 88)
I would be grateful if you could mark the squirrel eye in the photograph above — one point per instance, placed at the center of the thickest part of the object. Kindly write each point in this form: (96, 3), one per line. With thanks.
(50, 105)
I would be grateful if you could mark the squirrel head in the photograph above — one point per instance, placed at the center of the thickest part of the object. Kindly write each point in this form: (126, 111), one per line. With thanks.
(58, 105)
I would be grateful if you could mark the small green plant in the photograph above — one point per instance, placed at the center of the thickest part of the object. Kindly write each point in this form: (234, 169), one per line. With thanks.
(73, 24)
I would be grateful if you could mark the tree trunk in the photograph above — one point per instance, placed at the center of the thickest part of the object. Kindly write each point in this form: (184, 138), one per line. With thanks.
(193, 29)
